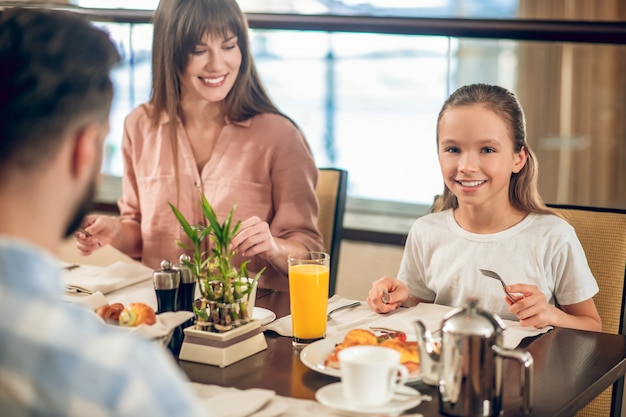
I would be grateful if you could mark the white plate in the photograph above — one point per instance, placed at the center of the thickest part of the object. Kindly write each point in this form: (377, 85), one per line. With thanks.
(314, 355)
(266, 316)
(332, 396)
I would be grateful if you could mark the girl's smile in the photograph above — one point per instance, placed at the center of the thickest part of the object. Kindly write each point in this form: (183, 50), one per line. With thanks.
(476, 156)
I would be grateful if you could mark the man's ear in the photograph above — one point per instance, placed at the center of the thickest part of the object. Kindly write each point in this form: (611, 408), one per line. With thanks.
(84, 154)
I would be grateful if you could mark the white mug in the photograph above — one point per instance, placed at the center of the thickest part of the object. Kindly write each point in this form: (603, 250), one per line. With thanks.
(370, 374)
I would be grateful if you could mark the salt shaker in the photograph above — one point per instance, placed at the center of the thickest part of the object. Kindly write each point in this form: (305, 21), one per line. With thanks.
(187, 287)
(166, 282)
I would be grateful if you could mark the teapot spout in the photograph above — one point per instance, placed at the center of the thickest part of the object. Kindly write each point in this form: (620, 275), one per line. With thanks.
(430, 352)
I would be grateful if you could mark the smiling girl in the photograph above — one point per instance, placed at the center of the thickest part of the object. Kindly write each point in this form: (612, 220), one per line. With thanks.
(491, 216)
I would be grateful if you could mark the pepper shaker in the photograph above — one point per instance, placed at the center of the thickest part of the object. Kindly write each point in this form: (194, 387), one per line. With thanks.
(187, 287)
(166, 283)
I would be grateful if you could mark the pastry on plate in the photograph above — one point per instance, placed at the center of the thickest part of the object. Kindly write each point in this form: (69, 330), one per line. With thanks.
(137, 313)
(409, 355)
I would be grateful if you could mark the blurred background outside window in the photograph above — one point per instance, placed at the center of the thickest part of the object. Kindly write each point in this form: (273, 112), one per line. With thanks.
(368, 103)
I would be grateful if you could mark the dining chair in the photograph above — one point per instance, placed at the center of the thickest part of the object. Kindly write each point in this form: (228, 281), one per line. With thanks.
(602, 233)
(331, 193)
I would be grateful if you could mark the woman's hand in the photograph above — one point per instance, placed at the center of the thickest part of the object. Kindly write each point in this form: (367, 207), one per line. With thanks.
(254, 238)
(397, 292)
(96, 231)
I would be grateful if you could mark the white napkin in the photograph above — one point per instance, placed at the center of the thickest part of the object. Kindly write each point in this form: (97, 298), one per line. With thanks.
(90, 301)
(232, 402)
(88, 279)
(402, 319)
(165, 323)
(432, 316)
(341, 321)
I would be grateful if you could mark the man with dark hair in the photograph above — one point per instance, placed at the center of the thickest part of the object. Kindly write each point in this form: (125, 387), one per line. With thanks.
(58, 359)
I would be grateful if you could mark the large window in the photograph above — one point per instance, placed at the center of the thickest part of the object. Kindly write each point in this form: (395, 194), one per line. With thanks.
(367, 102)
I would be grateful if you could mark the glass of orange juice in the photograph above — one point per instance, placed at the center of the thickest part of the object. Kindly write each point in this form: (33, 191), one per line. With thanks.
(308, 296)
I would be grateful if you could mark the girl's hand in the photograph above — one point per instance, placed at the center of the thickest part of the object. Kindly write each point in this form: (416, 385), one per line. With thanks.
(531, 307)
(254, 238)
(397, 291)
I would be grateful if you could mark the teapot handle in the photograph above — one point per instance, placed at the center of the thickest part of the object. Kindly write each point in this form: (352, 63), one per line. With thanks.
(526, 377)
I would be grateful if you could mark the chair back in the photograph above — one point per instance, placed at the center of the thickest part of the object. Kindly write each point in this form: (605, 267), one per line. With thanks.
(331, 194)
(602, 234)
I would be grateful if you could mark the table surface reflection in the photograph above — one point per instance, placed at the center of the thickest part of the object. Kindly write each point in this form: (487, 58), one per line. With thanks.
(571, 367)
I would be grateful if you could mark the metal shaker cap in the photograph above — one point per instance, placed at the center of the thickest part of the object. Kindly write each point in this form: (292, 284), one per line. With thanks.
(186, 277)
(166, 278)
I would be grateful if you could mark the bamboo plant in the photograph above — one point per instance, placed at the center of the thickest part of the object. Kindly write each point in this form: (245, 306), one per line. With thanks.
(220, 282)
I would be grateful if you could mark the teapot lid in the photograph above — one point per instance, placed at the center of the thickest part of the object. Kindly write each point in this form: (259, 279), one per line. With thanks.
(472, 320)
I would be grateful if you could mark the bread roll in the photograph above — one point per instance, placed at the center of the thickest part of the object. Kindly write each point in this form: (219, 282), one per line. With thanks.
(110, 313)
(136, 314)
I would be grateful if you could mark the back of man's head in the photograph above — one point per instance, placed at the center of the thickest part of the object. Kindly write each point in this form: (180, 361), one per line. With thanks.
(54, 78)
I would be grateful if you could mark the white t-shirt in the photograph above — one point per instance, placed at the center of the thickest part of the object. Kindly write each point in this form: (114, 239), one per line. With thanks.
(441, 262)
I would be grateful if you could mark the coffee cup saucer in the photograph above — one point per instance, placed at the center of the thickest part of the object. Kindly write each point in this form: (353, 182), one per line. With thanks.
(332, 396)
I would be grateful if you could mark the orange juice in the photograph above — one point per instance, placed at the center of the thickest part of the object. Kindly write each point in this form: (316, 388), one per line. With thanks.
(308, 295)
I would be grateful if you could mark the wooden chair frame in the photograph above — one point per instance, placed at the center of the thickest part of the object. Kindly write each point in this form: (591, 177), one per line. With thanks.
(331, 193)
(569, 213)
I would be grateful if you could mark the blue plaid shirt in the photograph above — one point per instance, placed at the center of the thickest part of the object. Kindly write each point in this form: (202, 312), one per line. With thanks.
(58, 359)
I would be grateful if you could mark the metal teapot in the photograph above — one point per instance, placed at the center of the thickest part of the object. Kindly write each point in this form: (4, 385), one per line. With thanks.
(469, 364)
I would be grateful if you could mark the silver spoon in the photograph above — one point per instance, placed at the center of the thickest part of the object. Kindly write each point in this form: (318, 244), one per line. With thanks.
(354, 304)
(494, 275)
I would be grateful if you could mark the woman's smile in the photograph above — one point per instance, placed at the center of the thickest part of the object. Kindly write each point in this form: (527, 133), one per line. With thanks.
(213, 81)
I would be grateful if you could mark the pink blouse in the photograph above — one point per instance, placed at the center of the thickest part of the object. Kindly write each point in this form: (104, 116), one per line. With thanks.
(263, 165)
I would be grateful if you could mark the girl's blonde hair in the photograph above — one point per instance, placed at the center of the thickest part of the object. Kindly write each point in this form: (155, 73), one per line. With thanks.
(523, 193)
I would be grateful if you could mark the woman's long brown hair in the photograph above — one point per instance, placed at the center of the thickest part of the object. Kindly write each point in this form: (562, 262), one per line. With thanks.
(179, 25)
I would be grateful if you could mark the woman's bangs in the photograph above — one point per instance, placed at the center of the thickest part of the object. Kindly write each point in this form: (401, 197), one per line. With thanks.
(220, 23)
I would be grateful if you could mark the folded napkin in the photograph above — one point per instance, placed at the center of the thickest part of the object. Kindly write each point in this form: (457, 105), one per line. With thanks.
(165, 324)
(232, 402)
(402, 319)
(88, 279)
(89, 301)
(341, 321)
(432, 316)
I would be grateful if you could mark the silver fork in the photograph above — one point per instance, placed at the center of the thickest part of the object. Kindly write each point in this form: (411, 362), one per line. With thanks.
(494, 275)
(86, 233)
(354, 304)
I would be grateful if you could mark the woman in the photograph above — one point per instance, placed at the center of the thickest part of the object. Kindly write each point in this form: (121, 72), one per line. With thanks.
(210, 128)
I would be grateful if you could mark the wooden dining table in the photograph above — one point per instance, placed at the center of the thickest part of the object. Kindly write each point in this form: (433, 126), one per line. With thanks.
(571, 367)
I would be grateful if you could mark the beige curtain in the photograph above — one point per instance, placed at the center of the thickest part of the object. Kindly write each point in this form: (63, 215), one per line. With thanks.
(574, 96)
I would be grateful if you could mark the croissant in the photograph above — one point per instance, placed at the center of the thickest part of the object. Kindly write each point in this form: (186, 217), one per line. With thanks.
(355, 337)
(137, 313)
(110, 313)
(409, 355)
